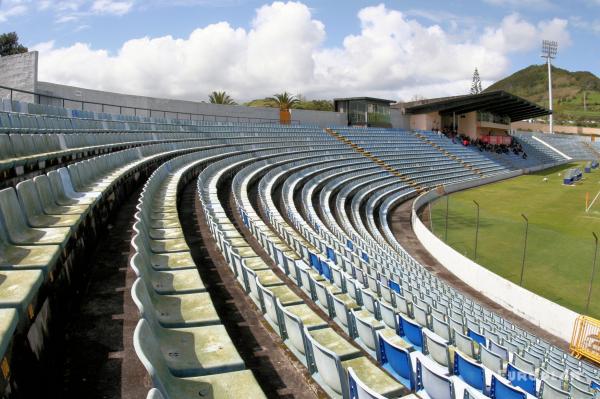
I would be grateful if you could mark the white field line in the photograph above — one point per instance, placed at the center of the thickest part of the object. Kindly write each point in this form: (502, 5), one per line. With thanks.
(562, 154)
(592, 203)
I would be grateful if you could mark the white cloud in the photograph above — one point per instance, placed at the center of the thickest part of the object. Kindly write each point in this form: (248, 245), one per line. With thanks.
(43, 47)
(391, 56)
(111, 7)
(11, 9)
(66, 11)
(592, 26)
(516, 35)
(520, 3)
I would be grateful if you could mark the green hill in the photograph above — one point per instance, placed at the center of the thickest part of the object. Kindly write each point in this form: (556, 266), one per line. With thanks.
(568, 92)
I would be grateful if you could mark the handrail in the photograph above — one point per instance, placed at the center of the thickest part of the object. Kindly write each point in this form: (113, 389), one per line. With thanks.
(149, 111)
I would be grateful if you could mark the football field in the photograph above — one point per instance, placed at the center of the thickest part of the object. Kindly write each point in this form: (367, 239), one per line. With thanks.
(560, 244)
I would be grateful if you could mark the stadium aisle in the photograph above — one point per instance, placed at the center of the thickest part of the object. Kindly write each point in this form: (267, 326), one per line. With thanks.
(99, 360)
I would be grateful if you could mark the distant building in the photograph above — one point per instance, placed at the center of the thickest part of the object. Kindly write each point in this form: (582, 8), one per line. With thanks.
(365, 111)
(473, 115)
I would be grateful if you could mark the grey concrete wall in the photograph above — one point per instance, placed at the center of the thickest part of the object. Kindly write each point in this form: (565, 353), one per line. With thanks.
(399, 121)
(319, 118)
(19, 71)
(130, 105)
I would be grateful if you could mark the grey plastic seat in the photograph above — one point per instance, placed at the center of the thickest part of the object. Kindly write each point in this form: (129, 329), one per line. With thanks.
(18, 257)
(69, 189)
(162, 261)
(332, 357)
(580, 393)
(432, 385)
(49, 202)
(359, 389)
(235, 384)
(465, 344)
(182, 281)
(523, 364)
(436, 350)
(194, 351)
(65, 195)
(175, 311)
(442, 329)
(163, 246)
(275, 297)
(295, 319)
(491, 360)
(34, 212)
(6, 152)
(19, 232)
(548, 391)
(366, 327)
(18, 289)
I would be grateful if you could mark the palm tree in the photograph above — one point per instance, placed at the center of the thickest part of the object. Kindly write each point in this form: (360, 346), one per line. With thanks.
(285, 100)
(220, 97)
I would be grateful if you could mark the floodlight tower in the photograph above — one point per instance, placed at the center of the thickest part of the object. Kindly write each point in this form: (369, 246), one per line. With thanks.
(549, 50)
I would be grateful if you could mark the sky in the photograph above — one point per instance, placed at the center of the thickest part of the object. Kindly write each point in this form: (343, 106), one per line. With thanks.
(394, 49)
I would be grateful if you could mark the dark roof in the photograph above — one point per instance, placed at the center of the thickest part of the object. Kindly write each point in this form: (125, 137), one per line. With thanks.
(380, 100)
(497, 102)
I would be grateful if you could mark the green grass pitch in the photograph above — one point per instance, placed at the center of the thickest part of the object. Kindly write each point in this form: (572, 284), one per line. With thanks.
(560, 246)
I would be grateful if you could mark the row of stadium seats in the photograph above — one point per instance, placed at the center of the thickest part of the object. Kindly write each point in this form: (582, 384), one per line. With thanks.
(270, 292)
(47, 225)
(250, 287)
(571, 145)
(25, 152)
(127, 115)
(538, 150)
(307, 202)
(179, 337)
(320, 211)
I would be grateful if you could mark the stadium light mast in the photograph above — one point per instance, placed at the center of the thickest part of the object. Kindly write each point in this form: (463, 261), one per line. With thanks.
(549, 50)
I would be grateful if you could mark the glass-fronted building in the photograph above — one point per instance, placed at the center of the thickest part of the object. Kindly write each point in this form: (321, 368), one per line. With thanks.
(365, 111)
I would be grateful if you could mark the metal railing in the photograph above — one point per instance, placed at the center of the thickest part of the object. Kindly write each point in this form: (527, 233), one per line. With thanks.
(79, 104)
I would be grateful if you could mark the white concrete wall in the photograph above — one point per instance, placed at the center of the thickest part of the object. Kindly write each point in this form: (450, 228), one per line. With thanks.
(20, 72)
(555, 319)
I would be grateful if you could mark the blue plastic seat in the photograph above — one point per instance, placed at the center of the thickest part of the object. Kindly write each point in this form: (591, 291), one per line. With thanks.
(480, 339)
(410, 331)
(521, 379)
(501, 390)
(470, 372)
(397, 361)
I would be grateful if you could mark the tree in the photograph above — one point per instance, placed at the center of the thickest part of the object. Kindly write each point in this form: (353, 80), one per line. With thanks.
(285, 100)
(9, 44)
(220, 97)
(476, 85)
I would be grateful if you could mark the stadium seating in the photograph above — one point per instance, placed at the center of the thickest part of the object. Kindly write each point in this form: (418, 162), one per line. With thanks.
(364, 317)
